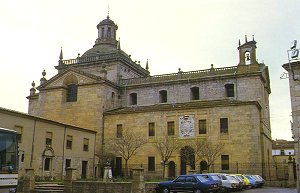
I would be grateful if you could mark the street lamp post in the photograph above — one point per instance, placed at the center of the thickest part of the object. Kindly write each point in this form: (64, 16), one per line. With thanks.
(293, 53)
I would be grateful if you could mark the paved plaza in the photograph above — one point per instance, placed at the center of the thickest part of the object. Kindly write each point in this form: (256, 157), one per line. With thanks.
(271, 190)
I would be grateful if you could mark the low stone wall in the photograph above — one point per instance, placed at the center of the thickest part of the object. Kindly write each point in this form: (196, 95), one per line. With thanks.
(276, 183)
(108, 187)
(101, 187)
(150, 187)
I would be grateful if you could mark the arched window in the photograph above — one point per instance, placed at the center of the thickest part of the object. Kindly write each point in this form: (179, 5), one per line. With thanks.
(247, 58)
(72, 90)
(71, 83)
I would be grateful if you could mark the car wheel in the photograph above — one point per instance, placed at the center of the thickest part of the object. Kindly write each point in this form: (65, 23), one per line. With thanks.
(222, 190)
(165, 190)
(197, 191)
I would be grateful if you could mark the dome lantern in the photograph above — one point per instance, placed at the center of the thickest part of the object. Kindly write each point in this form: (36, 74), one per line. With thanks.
(107, 32)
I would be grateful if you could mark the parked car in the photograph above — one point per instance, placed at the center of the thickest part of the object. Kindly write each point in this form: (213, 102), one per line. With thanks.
(229, 184)
(240, 180)
(188, 183)
(212, 177)
(253, 183)
(259, 180)
(245, 180)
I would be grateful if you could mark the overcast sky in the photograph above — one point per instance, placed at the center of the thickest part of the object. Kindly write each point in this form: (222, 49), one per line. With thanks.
(190, 34)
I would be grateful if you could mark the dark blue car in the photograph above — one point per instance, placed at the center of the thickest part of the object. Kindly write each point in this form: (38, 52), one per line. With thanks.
(195, 183)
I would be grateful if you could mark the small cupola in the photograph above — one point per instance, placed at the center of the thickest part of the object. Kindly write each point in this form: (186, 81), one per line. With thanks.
(107, 32)
(247, 52)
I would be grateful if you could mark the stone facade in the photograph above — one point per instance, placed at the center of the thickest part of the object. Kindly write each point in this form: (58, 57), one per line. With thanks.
(111, 90)
(47, 157)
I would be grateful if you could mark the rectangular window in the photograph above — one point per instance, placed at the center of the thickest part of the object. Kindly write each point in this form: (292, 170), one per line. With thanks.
(133, 99)
(225, 162)
(69, 142)
(229, 90)
(195, 93)
(163, 96)
(47, 164)
(171, 128)
(49, 138)
(202, 126)
(151, 163)
(68, 163)
(224, 125)
(151, 129)
(119, 131)
(85, 144)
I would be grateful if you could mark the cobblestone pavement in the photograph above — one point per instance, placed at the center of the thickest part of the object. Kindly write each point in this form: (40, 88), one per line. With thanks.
(271, 190)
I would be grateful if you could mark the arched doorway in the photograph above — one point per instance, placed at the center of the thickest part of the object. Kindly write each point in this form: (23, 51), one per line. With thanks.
(47, 157)
(187, 157)
(171, 173)
(203, 166)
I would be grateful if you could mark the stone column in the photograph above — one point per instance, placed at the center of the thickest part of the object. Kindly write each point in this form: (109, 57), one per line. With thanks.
(291, 180)
(166, 172)
(69, 178)
(138, 183)
(29, 181)
(107, 177)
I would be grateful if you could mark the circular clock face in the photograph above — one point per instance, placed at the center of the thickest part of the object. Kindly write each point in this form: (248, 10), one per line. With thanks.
(186, 126)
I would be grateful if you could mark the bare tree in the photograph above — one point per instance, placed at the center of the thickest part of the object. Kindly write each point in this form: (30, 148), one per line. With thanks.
(127, 145)
(166, 147)
(208, 151)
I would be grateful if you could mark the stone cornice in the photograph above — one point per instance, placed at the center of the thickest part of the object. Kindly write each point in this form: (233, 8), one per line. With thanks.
(293, 65)
(181, 106)
(96, 60)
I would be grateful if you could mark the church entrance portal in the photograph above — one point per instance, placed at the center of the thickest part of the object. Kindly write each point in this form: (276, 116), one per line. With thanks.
(187, 158)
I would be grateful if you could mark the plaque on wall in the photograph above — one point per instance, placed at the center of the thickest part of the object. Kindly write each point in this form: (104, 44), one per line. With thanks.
(186, 126)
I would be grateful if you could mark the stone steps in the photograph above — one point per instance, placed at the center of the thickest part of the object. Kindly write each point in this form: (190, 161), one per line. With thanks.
(48, 187)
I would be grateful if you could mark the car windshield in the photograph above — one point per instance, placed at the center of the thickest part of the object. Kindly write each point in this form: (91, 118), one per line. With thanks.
(202, 179)
(215, 177)
(230, 178)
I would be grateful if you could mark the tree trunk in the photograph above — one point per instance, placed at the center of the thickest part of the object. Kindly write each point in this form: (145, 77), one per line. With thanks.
(126, 168)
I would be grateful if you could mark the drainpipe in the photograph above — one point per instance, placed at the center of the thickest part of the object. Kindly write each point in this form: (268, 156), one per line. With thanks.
(94, 174)
(32, 145)
(63, 148)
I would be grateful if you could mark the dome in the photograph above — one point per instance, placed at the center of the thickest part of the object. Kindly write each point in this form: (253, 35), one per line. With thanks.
(100, 49)
(106, 21)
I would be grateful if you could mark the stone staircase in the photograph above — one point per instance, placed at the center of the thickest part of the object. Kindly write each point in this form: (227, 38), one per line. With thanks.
(48, 188)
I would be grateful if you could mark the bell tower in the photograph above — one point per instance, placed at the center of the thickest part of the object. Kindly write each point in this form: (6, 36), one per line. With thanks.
(247, 52)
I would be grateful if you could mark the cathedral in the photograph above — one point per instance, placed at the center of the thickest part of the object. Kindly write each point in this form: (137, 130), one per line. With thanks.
(106, 92)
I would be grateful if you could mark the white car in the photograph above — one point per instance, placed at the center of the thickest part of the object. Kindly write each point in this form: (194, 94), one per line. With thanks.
(229, 183)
